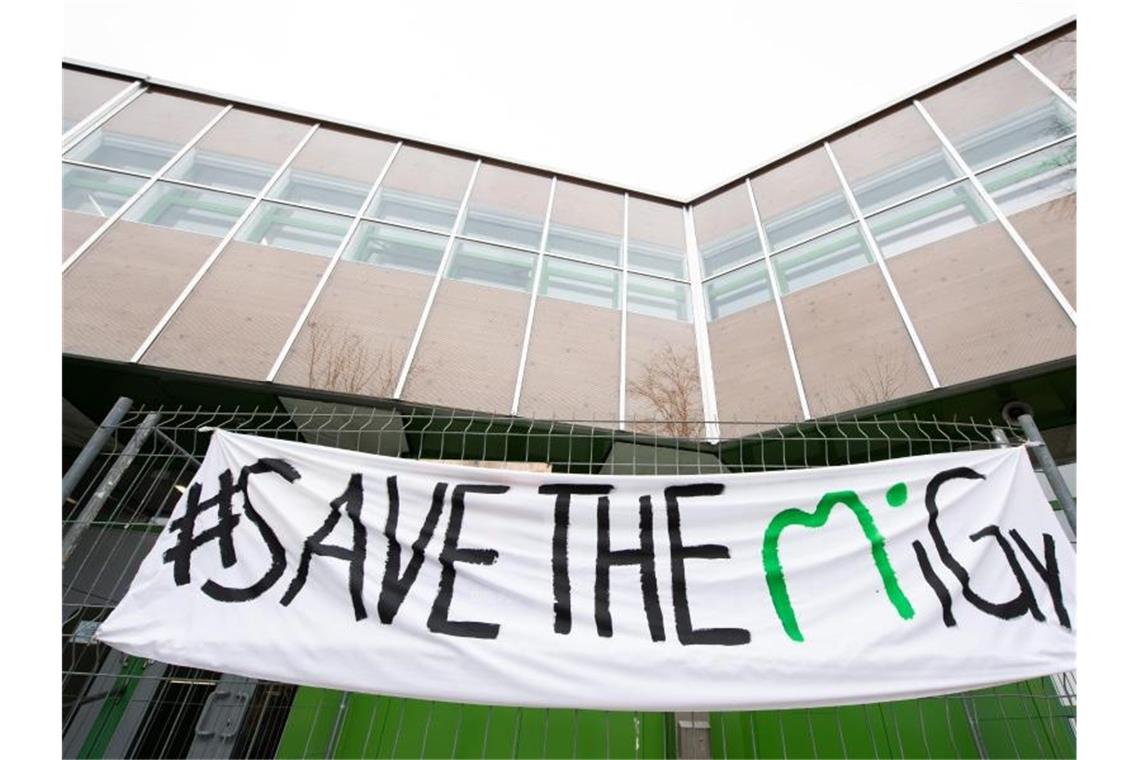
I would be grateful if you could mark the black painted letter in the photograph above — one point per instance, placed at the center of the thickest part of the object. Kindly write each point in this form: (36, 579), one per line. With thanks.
(560, 554)
(642, 556)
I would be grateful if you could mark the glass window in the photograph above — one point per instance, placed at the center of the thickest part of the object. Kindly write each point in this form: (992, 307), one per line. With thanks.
(335, 170)
(738, 290)
(1057, 59)
(84, 93)
(422, 188)
(146, 134)
(799, 199)
(294, 228)
(241, 152)
(187, 208)
(892, 158)
(491, 265)
(998, 113)
(507, 206)
(928, 219)
(822, 259)
(97, 192)
(656, 238)
(586, 223)
(396, 247)
(580, 283)
(1036, 179)
(726, 230)
(658, 298)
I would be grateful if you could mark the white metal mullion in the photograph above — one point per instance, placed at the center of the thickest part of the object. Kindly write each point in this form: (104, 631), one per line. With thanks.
(444, 261)
(97, 118)
(253, 204)
(1064, 96)
(623, 293)
(701, 330)
(517, 398)
(999, 215)
(878, 254)
(773, 285)
(312, 302)
(94, 237)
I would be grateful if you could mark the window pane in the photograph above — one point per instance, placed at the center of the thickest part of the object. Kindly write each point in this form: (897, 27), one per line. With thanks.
(999, 113)
(1057, 59)
(187, 208)
(241, 152)
(507, 206)
(1038, 194)
(892, 158)
(738, 290)
(799, 199)
(295, 229)
(658, 298)
(492, 265)
(928, 219)
(586, 223)
(581, 283)
(396, 247)
(84, 93)
(422, 188)
(146, 134)
(726, 230)
(334, 171)
(822, 259)
(97, 192)
(656, 238)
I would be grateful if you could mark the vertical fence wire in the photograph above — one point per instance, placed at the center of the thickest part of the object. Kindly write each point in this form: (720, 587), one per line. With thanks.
(115, 703)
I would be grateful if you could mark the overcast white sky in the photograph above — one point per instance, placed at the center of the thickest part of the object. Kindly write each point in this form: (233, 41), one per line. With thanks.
(670, 98)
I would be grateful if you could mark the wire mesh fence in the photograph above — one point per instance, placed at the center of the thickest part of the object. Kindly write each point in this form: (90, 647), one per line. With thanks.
(120, 706)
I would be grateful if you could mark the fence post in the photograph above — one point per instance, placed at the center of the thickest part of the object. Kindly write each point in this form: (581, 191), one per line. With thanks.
(94, 445)
(1022, 414)
(694, 736)
(110, 480)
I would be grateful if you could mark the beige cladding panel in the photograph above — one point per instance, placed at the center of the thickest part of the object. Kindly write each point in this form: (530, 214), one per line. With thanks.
(511, 191)
(1057, 59)
(725, 213)
(469, 352)
(1050, 231)
(166, 118)
(84, 92)
(656, 223)
(573, 362)
(663, 381)
(245, 134)
(795, 184)
(576, 205)
(114, 295)
(851, 345)
(358, 333)
(887, 142)
(984, 99)
(426, 172)
(754, 380)
(343, 154)
(979, 307)
(77, 227)
(236, 320)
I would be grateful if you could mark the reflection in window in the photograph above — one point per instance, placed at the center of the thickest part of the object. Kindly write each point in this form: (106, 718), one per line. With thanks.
(186, 208)
(658, 298)
(1035, 179)
(422, 188)
(414, 209)
(396, 247)
(581, 283)
(223, 171)
(127, 152)
(726, 230)
(656, 239)
(929, 219)
(491, 265)
(1021, 131)
(733, 292)
(507, 206)
(334, 171)
(323, 191)
(96, 192)
(799, 199)
(295, 229)
(822, 259)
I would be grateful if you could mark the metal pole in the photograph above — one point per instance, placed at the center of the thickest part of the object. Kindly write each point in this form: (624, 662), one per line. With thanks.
(95, 503)
(94, 445)
(1022, 414)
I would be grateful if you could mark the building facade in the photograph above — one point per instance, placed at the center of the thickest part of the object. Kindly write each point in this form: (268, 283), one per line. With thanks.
(220, 253)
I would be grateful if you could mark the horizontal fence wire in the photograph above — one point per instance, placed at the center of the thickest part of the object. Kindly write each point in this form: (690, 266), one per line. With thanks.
(119, 706)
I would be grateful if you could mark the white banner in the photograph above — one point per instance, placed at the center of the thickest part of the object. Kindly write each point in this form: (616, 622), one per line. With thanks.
(862, 583)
